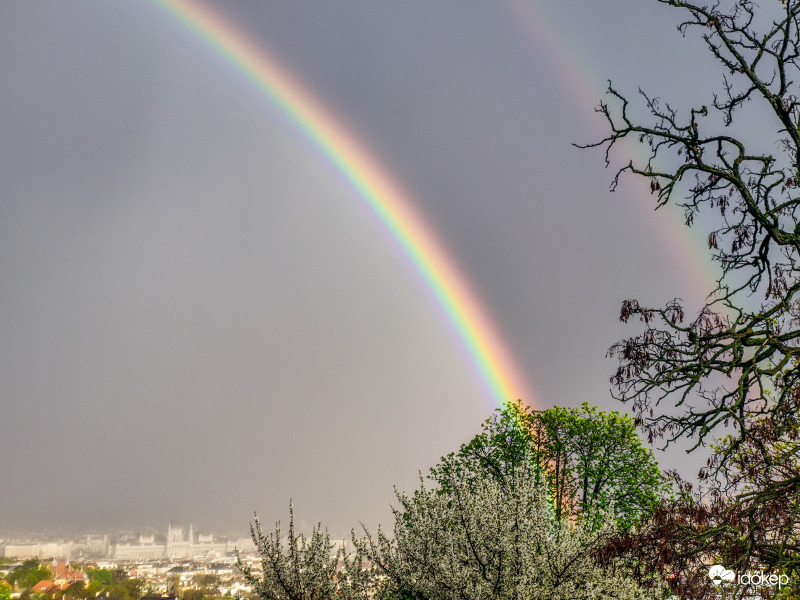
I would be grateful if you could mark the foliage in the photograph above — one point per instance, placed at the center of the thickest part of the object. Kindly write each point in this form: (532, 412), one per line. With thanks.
(192, 594)
(495, 540)
(488, 528)
(29, 574)
(102, 577)
(496, 452)
(730, 377)
(5, 591)
(76, 589)
(599, 457)
(593, 461)
(94, 588)
(304, 568)
(127, 589)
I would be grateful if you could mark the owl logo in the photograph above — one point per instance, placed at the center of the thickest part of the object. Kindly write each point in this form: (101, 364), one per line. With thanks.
(719, 574)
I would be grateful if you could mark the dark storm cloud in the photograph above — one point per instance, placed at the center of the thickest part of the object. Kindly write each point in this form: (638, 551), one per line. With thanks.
(200, 320)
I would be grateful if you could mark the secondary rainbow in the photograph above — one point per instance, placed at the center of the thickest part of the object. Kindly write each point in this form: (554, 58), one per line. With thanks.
(394, 208)
(571, 60)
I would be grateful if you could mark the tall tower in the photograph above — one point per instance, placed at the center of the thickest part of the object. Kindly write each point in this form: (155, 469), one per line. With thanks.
(174, 533)
(177, 545)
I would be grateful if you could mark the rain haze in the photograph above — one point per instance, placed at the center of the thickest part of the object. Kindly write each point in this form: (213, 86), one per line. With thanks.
(202, 318)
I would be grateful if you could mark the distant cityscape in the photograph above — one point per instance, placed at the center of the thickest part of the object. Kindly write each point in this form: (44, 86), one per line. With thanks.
(177, 544)
(177, 564)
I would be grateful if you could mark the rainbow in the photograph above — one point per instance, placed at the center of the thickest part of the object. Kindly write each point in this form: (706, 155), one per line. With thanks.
(394, 208)
(571, 60)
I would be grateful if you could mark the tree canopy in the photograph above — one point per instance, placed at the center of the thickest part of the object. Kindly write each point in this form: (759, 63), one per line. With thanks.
(29, 574)
(592, 460)
(496, 540)
(484, 525)
(304, 568)
(101, 577)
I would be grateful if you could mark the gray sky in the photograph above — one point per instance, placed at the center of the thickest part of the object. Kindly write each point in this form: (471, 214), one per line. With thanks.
(199, 317)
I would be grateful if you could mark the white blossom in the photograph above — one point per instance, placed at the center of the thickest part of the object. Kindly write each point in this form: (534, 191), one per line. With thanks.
(485, 539)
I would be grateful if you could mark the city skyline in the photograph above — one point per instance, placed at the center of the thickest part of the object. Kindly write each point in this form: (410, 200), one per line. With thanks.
(175, 543)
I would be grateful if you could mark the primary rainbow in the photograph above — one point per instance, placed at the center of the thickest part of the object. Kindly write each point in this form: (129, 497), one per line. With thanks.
(384, 198)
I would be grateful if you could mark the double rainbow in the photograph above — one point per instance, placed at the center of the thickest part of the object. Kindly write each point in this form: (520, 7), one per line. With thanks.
(382, 196)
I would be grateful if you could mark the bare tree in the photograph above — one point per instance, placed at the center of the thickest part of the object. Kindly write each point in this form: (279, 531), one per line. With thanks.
(729, 377)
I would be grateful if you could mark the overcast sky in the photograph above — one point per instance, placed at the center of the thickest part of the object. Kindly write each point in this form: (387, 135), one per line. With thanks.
(199, 318)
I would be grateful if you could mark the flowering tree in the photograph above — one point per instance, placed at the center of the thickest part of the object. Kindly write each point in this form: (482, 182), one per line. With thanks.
(301, 568)
(488, 527)
(493, 539)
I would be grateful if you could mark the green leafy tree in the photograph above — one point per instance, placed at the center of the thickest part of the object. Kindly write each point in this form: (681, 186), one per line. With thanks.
(192, 594)
(75, 590)
(599, 458)
(101, 577)
(127, 589)
(729, 376)
(593, 461)
(488, 528)
(29, 574)
(94, 588)
(5, 591)
(496, 452)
